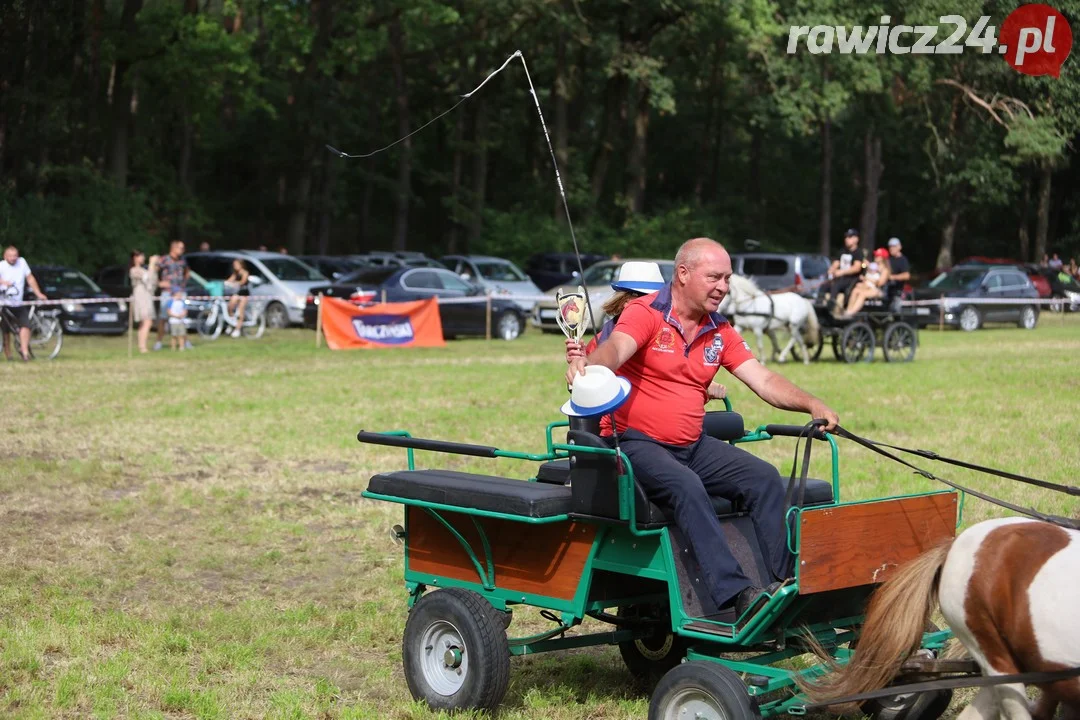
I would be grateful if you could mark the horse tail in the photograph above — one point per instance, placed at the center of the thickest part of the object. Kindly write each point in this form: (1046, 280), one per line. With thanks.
(813, 331)
(895, 621)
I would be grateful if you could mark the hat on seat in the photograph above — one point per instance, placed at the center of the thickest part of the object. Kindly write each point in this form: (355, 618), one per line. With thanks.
(596, 392)
(637, 276)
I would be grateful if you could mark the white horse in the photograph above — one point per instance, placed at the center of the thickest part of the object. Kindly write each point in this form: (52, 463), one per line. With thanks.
(749, 307)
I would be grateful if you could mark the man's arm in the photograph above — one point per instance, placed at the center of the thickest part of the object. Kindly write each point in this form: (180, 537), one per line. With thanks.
(32, 282)
(612, 353)
(780, 392)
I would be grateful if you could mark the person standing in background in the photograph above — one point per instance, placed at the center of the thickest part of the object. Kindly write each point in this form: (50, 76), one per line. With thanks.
(143, 282)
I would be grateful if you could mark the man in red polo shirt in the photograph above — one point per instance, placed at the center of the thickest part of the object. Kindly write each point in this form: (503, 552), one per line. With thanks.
(670, 345)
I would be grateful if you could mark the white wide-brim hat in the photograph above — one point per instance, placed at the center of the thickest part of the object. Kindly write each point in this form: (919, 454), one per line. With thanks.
(596, 392)
(637, 276)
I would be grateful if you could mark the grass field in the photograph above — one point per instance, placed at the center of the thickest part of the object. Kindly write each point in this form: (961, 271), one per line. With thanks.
(182, 534)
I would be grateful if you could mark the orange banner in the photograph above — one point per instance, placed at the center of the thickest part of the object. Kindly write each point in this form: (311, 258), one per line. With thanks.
(407, 324)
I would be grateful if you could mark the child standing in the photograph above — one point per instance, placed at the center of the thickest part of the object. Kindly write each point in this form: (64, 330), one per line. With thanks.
(177, 330)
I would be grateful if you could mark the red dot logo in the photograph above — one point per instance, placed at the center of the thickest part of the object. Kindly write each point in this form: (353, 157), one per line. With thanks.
(1036, 39)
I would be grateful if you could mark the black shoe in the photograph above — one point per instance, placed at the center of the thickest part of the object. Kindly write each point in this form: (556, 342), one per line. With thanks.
(751, 600)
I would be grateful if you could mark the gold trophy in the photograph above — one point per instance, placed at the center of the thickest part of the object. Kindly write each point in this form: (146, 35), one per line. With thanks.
(574, 315)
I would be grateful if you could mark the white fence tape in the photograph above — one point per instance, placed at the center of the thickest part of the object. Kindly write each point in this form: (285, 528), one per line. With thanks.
(958, 301)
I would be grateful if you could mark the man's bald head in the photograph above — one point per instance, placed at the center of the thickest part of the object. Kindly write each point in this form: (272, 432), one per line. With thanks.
(702, 269)
(693, 251)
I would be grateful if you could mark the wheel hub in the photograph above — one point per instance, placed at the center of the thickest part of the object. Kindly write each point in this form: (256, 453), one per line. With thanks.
(444, 658)
(452, 657)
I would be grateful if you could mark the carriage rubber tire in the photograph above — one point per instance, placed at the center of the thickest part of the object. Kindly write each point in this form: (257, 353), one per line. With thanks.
(513, 323)
(649, 658)
(277, 317)
(471, 635)
(818, 349)
(866, 333)
(1029, 318)
(899, 331)
(839, 356)
(702, 689)
(969, 319)
(922, 706)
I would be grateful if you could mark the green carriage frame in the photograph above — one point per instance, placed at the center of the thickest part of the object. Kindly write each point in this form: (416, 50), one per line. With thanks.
(619, 546)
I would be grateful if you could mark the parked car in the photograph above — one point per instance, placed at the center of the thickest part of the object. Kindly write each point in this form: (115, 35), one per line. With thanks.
(332, 266)
(282, 280)
(78, 318)
(598, 279)
(400, 258)
(802, 272)
(1065, 287)
(496, 275)
(967, 282)
(116, 282)
(1034, 272)
(549, 269)
(402, 284)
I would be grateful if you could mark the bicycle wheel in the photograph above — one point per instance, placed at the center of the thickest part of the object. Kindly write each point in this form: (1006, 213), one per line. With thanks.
(46, 335)
(210, 322)
(254, 328)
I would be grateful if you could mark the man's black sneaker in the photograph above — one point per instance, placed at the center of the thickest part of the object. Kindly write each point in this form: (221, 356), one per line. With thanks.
(751, 600)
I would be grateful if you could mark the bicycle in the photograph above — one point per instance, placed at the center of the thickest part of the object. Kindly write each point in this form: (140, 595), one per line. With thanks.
(214, 319)
(46, 331)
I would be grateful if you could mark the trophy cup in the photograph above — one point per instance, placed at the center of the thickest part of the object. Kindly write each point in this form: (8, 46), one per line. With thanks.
(574, 314)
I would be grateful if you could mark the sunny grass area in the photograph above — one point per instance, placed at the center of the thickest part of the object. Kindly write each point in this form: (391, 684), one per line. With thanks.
(182, 535)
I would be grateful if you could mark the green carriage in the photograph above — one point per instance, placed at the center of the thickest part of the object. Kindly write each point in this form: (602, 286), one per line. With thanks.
(580, 539)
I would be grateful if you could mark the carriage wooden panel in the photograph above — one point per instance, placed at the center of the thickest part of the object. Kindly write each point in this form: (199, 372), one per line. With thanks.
(543, 560)
(860, 544)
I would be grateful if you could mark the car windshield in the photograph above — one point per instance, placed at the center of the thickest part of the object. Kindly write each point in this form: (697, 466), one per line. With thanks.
(814, 266)
(500, 272)
(957, 279)
(284, 268)
(62, 282)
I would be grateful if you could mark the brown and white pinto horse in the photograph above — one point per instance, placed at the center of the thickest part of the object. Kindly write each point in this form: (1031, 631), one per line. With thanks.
(1010, 591)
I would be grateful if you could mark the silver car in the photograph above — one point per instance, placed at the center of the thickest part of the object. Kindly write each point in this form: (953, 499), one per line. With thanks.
(496, 275)
(283, 281)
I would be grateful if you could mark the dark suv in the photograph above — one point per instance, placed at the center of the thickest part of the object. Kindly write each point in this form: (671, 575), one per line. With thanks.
(960, 285)
(557, 268)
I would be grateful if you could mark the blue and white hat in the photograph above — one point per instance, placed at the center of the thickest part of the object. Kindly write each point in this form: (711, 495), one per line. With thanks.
(596, 392)
(637, 276)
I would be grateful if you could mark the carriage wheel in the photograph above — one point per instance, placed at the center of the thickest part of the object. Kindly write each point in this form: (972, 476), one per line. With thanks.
(836, 351)
(911, 706)
(455, 652)
(650, 657)
(900, 342)
(857, 343)
(819, 348)
(701, 689)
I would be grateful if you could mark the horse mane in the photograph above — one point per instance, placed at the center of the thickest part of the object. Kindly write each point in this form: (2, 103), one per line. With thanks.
(745, 285)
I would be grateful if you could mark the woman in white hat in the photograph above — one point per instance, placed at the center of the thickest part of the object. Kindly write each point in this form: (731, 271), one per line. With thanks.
(636, 279)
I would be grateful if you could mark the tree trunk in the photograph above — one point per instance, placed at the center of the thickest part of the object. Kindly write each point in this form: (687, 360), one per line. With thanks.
(365, 206)
(401, 98)
(326, 202)
(297, 227)
(825, 219)
(123, 87)
(872, 171)
(560, 93)
(614, 90)
(705, 182)
(1042, 213)
(636, 166)
(948, 234)
(93, 84)
(186, 142)
(453, 232)
(754, 183)
(1024, 232)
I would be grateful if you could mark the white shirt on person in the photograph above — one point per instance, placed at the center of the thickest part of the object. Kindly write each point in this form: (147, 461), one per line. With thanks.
(15, 275)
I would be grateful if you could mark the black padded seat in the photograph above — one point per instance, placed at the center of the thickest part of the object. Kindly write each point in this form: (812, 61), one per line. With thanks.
(480, 492)
(555, 471)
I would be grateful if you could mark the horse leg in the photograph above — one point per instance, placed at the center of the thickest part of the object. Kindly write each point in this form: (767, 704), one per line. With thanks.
(760, 345)
(1013, 701)
(982, 707)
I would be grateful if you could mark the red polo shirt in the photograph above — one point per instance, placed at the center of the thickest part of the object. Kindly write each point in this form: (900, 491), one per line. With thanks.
(669, 376)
